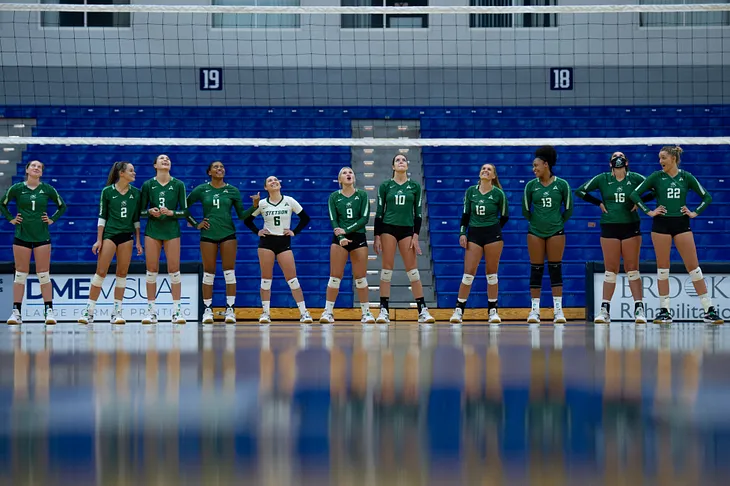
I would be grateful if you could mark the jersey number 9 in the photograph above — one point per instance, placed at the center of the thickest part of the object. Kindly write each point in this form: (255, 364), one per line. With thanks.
(481, 210)
(124, 212)
(400, 199)
(673, 193)
(547, 202)
(349, 213)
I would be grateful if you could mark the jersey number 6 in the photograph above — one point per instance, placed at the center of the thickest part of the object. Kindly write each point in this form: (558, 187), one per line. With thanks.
(277, 220)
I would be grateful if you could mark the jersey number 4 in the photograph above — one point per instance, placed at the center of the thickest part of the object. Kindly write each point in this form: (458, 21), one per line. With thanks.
(673, 193)
(216, 203)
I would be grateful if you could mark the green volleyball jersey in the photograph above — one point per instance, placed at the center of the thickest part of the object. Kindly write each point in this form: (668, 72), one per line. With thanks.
(217, 203)
(31, 204)
(541, 206)
(671, 192)
(119, 213)
(615, 196)
(484, 209)
(349, 213)
(399, 204)
(171, 196)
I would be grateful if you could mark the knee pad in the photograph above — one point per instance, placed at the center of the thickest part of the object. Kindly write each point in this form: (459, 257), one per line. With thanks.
(467, 279)
(492, 279)
(20, 277)
(334, 283)
(175, 278)
(361, 283)
(44, 277)
(536, 272)
(121, 283)
(555, 269)
(293, 283)
(266, 284)
(97, 280)
(208, 278)
(696, 274)
(633, 275)
(662, 274)
(386, 275)
(230, 277)
(151, 277)
(609, 277)
(413, 275)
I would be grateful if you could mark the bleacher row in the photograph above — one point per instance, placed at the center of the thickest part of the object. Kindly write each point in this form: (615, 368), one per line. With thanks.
(308, 174)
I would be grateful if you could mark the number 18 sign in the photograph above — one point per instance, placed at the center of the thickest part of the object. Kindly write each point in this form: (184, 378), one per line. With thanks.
(561, 79)
(211, 79)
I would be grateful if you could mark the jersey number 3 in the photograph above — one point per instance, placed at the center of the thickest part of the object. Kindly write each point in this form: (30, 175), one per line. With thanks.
(162, 202)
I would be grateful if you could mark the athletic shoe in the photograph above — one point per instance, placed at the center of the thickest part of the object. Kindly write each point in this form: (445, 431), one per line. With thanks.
(424, 317)
(602, 317)
(230, 315)
(456, 317)
(640, 315)
(208, 316)
(383, 317)
(712, 317)
(86, 318)
(534, 317)
(264, 318)
(559, 317)
(149, 318)
(306, 318)
(117, 319)
(50, 317)
(368, 318)
(177, 318)
(494, 317)
(663, 317)
(327, 318)
(15, 319)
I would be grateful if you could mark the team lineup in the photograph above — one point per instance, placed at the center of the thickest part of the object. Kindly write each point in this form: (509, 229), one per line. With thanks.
(547, 203)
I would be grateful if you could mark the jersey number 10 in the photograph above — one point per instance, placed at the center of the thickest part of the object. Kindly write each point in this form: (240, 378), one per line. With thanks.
(400, 199)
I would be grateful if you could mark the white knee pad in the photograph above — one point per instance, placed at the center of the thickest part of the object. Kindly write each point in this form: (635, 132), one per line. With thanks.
(229, 276)
(386, 275)
(413, 275)
(44, 277)
(266, 284)
(175, 278)
(20, 277)
(97, 280)
(696, 274)
(293, 283)
(208, 278)
(334, 283)
(492, 279)
(121, 283)
(662, 274)
(633, 275)
(361, 283)
(467, 279)
(609, 277)
(151, 277)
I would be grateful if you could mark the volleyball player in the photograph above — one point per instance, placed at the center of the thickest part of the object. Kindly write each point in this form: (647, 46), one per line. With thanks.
(32, 236)
(486, 211)
(397, 224)
(620, 231)
(275, 245)
(119, 210)
(349, 210)
(166, 199)
(541, 206)
(218, 232)
(672, 223)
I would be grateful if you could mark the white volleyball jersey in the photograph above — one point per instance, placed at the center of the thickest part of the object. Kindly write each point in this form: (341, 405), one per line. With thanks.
(277, 217)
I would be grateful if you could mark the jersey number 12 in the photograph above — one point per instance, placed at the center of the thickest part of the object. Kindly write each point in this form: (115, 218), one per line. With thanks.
(481, 210)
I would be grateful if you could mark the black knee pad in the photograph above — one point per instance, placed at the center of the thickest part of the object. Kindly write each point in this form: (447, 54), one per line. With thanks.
(555, 269)
(536, 272)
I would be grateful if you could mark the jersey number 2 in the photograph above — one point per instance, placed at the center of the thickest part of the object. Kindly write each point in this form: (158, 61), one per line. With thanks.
(673, 193)
(124, 212)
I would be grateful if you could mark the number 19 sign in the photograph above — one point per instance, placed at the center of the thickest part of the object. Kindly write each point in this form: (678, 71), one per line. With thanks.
(561, 79)
(211, 79)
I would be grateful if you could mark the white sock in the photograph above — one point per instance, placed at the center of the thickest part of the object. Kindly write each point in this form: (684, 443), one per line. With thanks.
(365, 308)
(207, 302)
(230, 300)
(176, 305)
(706, 301)
(266, 305)
(302, 307)
(536, 304)
(150, 306)
(664, 301)
(117, 306)
(329, 307)
(558, 303)
(90, 306)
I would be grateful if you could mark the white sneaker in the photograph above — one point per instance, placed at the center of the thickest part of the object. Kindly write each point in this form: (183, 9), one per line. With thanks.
(327, 318)
(383, 317)
(559, 317)
(177, 318)
(117, 319)
(456, 317)
(208, 316)
(86, 318)
(265, 318)
(602, 317)
(50, 317)
(494, 317)
(425, 317)
(534, 317)
(640, 316)
(15, 319)
(230, 315)
(149, 318)
(306, 318)
(368, 318)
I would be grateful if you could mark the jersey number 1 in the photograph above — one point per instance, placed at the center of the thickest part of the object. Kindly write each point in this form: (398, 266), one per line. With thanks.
(32, 205)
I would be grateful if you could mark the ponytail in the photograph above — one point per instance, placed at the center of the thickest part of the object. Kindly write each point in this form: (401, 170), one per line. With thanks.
(117, 168)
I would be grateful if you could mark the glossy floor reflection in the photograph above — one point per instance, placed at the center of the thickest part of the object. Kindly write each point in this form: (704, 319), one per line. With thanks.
(159, 405)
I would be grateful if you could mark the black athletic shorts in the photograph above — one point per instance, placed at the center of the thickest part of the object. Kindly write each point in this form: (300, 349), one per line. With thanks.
(620, 231)
(30, 244)
(484, 235)
(670, 225)
(357, 240)
(277, 244)
(558, 233)
(398, 232)
(230, 237)
(121, 238)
